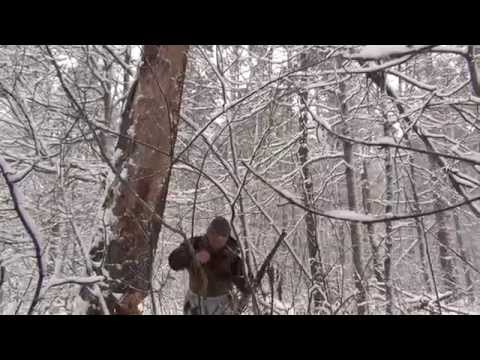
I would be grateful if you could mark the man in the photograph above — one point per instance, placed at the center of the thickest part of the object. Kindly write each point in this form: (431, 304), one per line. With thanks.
(211, 285)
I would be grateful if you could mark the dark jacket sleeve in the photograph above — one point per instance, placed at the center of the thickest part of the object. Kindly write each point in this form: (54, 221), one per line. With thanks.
(238, 276)
(180, 258)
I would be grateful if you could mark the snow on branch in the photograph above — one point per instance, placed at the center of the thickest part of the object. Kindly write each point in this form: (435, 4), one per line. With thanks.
(337, 215)
(451, 50)
(351, 216)
(77, 280)
(229, 106)
(377, 52)
(28, 223)
(411, 80)
(390, 142)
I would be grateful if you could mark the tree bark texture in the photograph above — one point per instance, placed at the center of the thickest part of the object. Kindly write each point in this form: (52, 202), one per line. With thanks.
(136, 200)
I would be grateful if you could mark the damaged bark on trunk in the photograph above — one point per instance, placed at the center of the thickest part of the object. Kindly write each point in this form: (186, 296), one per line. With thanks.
(124, 247)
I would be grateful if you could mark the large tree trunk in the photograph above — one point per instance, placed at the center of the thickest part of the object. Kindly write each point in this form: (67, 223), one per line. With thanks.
(355, 236)
(136, 199)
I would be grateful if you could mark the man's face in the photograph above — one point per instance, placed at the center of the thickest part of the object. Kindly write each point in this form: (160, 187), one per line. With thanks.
(216, 241)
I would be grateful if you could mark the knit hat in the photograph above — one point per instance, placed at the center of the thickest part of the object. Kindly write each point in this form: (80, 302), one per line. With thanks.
(220, 226)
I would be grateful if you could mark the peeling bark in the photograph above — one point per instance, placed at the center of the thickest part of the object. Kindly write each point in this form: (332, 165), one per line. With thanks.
(150, 117)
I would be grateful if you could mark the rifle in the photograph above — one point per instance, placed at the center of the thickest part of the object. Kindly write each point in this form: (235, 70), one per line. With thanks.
(260, 273)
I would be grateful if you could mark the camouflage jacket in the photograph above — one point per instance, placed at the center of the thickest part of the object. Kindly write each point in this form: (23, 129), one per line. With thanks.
(224, 269)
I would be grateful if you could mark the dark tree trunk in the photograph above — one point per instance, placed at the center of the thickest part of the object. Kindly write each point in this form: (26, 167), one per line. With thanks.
(314, 255)
(355, 236)
(446, 261)
(388, 224)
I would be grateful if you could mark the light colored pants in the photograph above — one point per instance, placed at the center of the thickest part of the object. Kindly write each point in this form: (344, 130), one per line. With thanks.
(198, 305)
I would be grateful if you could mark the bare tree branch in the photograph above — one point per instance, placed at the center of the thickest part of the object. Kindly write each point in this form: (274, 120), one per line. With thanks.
(28, 224)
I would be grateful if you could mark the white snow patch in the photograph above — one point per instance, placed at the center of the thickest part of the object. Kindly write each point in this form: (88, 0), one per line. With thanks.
(387, 140)
(131, 163)
(349, 215)
(398, 132)
(117, 155)
(287, 194)
(473, 155)
(279, 55)
(382, 51)
(466, 180)
(66, 61)
(124, 174)
(79, 306)
(131, 131)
